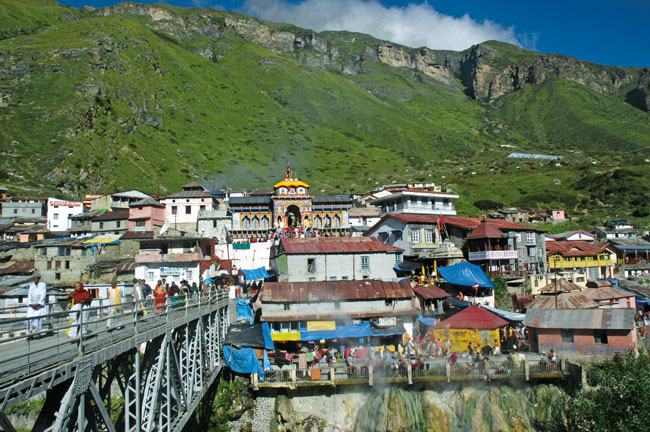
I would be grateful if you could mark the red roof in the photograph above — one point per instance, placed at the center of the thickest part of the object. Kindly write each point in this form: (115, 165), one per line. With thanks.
(137, 235)
(335, 245)
(571, 248)
(460, 222)
(486, 230)
(430, 292)
(474, 317)
(309, 292)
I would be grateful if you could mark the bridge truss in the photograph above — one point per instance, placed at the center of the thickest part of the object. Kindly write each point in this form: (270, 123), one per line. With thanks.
(159, 366)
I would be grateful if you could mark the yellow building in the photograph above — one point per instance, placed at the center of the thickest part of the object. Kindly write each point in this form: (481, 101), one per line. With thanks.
(475, 325)
(591, 259)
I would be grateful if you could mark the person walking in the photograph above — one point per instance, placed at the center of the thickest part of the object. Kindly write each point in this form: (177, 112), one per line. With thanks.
(80, 297)
(160, 293)
(36, 307)
(114, 299)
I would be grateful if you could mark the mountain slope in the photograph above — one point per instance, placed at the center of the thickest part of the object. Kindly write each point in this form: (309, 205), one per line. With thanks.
(151, 96)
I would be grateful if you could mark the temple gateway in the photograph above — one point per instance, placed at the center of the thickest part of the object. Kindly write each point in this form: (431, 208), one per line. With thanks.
(289, 211)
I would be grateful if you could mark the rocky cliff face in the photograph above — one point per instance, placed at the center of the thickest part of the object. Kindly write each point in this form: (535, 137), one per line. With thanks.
(482, 69)
(640, 96)
(484, 80)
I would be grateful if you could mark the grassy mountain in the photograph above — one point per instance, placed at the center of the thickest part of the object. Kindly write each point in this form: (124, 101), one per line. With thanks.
(152, 96)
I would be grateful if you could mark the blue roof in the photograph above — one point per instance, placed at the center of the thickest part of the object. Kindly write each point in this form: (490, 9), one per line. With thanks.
(255, 274)
(465, 274)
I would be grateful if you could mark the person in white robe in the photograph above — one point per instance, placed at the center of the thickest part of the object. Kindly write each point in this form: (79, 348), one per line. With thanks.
(36, 305)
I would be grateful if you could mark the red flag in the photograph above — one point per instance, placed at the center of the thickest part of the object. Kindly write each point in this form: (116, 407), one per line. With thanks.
(441, 222)
(475, 286)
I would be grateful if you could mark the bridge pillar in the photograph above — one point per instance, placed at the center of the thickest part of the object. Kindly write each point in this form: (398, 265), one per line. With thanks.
(409, 373)
(527, 369)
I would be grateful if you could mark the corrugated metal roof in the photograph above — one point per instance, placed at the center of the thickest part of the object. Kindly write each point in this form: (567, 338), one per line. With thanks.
(126, 266)
(320, 315)
(147, 201)
(131, 194)
(563, 285)
(334, 245)
(250, 200)
(613, 319)
(565, 300)
(122, 214)
(308, 292)
(486, 230)
(606, 293)
(17, 267)
(430, 292)
(570, 248)
(473, 317)
(189, 194)
(137, 235)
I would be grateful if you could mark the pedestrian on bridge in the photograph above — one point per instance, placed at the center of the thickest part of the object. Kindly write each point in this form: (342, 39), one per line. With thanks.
(81, 298)
(115, 295)
(36, 309)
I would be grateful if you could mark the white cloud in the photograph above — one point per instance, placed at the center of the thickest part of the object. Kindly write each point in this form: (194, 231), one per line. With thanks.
(414, 25)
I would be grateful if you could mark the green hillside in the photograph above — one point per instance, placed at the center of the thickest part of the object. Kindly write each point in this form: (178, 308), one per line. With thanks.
(155, 96)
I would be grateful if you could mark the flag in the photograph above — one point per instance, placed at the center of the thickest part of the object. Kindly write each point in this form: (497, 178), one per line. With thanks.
(475, 286)
(441, 222)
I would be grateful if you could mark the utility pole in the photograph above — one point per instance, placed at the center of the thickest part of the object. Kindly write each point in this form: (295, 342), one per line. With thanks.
(555, 262)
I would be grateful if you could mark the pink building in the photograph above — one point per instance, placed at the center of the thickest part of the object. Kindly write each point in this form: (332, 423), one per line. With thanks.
(146, 214)
(182, 208)
(558, 214)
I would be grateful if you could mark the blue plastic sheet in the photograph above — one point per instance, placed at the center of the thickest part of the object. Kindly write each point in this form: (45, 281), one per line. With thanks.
(241, 360)
(465, 274)
(266, 332)
(255, 274)
(244, 310)
(353, 331)
(426, 321)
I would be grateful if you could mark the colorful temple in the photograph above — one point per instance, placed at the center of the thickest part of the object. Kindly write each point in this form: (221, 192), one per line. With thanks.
(289, 211)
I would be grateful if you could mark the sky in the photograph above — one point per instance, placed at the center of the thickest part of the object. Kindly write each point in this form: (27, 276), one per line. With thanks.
(611, 32)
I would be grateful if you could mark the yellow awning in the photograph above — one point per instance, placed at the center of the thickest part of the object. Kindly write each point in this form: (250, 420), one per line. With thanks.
(285, 336)
(102, 240)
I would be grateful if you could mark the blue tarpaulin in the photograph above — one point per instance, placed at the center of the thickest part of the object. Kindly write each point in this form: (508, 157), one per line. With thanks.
(255, 274)
(266, 332)
(241, 360)
(465, 274)
(409, 266)
(244, 310)
(460, 304)
(426, 321)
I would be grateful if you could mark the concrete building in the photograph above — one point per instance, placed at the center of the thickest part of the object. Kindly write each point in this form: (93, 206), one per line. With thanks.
(175, 259)
(615, 230)
(25, 207)
(63, 261)
(111, 222)
(593, 260)
(330, 259)
(215, 224)
(571, 236)
(59, 213)
(81, 224)
(596, 332)
(119, 200)
(364, 216)
(182, 208)
(416, 201)
(146, 215)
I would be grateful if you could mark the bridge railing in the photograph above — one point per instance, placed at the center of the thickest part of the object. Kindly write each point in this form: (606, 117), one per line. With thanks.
(68, 334)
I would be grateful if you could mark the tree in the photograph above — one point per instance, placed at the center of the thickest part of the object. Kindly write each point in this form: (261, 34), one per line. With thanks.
(618, 398)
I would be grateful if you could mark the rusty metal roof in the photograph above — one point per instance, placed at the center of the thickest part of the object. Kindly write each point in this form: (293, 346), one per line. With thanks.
(563, 285)
(311, 292)
(334, 245)
(486, 230)
(612, 319)
(606, 293)
(137, 235)
(18, 267)
(574, 248)
(565, 300)
(430, 292)
(318, 315)
(474, 317)
(112, 215)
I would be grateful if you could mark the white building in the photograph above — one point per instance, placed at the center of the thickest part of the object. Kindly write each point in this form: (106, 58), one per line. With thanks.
(182, 208)
(59, 212)
(418, 202)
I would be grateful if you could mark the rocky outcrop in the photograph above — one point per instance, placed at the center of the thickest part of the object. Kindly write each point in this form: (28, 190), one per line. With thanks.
(423, 60)
(640, 96)
(485, 79)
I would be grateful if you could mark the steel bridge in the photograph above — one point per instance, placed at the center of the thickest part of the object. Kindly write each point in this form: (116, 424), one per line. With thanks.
(134, 369)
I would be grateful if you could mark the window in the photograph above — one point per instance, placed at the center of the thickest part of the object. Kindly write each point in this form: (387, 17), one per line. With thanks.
(398, 258)
(57, 276)
(256, 223)
(174, 210)
(83, 252)
(101, 225)
(312, 279)
(428, 236)
(139, 223)
(332, 278)
(287, 306)
(531, 251)
(49, 265)
(415, 236)
(337, 305)
(337, 221)
(43, 251)
(344, 278)
(214, 224)
(188, 209)
(530, 237)
(16, 211)
(66, 265)
(55, 216)
(150, 275)
(265, 222)
(365, 263)
(311, 265)
(57, 265)
(600, 336)
(246, 222)
(567, 335)
(64, 251)
(33, 211)
(202, 207)
(117, 224)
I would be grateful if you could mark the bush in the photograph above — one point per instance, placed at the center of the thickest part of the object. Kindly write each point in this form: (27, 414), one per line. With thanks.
(486, 204)
(619, 399)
